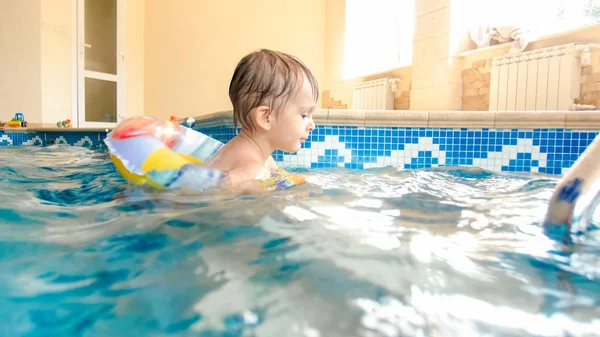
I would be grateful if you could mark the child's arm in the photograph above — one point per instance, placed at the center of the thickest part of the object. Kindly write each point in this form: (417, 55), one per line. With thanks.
(244, 179)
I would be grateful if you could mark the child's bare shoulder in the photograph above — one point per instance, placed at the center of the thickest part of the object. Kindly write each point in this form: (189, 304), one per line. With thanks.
(237, 162)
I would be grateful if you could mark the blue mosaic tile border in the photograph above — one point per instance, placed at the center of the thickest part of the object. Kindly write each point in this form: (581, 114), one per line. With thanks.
(84, 139)
(550, 151)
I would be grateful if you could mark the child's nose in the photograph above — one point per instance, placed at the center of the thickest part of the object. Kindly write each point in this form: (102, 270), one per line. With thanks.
(311, 125)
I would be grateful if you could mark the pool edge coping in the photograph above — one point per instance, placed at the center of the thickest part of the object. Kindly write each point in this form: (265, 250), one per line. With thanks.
(588, 120)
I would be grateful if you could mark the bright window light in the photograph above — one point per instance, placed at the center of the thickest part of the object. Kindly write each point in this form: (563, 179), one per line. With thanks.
(378, 37)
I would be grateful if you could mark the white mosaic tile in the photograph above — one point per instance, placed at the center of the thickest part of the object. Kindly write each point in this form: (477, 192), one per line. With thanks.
(37, 140)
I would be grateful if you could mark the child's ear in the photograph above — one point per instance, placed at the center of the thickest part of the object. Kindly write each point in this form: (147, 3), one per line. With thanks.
(263, 117)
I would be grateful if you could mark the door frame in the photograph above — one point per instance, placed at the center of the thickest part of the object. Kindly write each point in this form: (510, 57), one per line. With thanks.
(78, 63)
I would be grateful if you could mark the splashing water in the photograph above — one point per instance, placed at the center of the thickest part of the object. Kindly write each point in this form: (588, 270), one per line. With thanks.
(381, 252)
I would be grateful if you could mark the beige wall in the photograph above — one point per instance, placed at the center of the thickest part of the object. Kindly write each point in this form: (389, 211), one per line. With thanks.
(56, 69)
(441, 34)
(134, 61)
(590, 81)
(36, 59)
(20, 59)
(192, 47)
(335, 11)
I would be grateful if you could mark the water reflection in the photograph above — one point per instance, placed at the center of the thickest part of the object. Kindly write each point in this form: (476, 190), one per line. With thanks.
(382, 252)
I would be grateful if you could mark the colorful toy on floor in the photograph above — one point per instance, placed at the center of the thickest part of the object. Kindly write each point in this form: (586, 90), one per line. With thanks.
(163, 154)
(64, 124)
(17, 121)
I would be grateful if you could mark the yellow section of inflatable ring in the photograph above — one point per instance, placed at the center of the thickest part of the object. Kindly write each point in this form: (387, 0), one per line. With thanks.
(165, 159)
(161, 159)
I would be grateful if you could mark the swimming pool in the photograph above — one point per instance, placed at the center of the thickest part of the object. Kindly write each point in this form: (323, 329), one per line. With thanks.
(377, 252)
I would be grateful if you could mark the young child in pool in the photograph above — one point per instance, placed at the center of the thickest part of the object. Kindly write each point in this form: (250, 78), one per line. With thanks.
(273, 95)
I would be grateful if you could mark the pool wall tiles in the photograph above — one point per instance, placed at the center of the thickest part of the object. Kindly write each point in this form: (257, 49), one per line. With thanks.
(85, 139)
(513, 150)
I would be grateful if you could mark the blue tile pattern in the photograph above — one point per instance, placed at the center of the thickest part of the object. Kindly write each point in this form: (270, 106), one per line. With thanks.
(512, 150)
(40, 138)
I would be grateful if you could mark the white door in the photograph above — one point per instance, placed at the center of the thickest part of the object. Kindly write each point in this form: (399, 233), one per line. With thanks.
(101, 63)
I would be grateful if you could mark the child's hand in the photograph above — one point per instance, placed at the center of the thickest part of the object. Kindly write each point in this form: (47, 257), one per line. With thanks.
(238, 182)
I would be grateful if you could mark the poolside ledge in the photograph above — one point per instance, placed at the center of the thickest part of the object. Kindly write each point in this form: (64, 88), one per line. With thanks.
(39, 127)
(589, 120)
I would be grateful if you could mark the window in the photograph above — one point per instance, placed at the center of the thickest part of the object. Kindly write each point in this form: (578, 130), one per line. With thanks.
(540, 17)
(572, 14)
(378, 37)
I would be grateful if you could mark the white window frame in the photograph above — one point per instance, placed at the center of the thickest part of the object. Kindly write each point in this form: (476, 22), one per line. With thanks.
(78, 66)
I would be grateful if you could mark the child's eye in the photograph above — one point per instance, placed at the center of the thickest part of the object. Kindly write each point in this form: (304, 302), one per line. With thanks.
(305, 116)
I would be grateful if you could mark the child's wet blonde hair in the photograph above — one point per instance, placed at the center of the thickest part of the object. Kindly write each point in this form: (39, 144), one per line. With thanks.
(266, 77)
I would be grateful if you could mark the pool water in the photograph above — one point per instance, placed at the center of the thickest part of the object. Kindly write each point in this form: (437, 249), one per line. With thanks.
(380, 252)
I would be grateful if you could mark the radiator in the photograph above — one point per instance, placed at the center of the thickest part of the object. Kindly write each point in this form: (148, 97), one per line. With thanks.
(375, 95)
(542, 79)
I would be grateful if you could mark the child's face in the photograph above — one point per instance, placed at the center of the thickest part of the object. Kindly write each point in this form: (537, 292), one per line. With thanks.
(294, 122)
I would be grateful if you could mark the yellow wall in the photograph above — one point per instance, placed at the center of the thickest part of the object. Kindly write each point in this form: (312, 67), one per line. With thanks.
(192, 47)
(20, 59)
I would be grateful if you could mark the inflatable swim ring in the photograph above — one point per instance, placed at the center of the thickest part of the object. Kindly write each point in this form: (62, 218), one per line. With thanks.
(164, 154)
